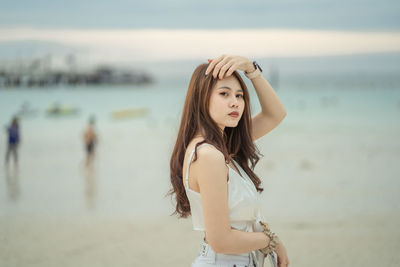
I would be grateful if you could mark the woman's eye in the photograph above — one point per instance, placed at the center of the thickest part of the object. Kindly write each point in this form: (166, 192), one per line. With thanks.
(224, 93)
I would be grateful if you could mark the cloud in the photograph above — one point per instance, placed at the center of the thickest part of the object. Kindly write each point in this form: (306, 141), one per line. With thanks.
(170, 44)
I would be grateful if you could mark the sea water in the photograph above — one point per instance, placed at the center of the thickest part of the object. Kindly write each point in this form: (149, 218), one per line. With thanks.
(335, 153)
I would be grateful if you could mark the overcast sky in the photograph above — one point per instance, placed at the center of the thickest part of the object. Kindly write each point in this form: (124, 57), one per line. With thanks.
(361, 15)
(127, 30)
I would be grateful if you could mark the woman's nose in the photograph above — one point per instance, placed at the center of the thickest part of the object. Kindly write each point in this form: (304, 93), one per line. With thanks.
(235, 102)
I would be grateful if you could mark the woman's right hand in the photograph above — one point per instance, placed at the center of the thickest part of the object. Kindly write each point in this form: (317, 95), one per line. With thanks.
(280, 251)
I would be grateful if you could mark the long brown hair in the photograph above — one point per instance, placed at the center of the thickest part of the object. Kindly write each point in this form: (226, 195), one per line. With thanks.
(235, 142)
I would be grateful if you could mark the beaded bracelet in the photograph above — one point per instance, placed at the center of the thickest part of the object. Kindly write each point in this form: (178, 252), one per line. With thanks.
(274, 239)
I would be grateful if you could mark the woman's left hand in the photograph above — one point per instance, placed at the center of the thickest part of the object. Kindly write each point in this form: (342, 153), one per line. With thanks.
(225, 65)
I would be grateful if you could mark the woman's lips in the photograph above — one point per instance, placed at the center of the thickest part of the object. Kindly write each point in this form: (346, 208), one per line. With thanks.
(234, 114)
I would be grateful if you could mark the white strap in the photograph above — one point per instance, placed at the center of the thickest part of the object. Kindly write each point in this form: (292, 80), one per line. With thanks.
(190, 161)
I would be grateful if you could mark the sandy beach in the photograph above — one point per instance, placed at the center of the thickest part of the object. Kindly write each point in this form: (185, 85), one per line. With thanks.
(323, 222)
(86, 241)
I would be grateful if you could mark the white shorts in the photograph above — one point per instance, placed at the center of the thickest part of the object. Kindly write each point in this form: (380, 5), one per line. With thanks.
(208, 257)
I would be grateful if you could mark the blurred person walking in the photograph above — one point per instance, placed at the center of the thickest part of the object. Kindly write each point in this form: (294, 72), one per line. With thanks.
(13, 141)
(90, 140)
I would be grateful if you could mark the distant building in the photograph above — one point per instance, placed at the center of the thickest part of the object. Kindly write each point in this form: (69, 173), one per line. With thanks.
(32, 75)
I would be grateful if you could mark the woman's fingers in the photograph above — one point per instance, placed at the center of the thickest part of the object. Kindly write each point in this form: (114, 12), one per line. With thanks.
(225, 65)
(224, 68)
(213, 63)
(218, 66)
(232, 68)
(209, 66)
(283, 263)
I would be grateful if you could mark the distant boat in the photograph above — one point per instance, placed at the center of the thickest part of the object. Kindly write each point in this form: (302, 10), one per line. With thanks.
(61, 110)
(129, 113)
(26, 110)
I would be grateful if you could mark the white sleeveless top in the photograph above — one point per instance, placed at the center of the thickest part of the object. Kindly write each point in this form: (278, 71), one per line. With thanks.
(243, 200)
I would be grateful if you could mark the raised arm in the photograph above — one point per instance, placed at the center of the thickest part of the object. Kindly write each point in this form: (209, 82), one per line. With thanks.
(211, 173)
(272, 109)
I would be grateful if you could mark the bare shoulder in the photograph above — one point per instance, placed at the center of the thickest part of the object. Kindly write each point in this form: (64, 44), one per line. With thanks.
(210, 163)
(210, 153)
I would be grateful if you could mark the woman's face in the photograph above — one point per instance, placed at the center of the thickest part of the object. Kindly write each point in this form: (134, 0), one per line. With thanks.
(226, 97)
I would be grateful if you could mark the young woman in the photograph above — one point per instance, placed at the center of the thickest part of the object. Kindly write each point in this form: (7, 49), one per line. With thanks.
(209, 166)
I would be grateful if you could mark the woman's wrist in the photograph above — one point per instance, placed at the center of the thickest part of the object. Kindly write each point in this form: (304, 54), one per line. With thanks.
(253, 71)
(273, 239)
(250, 67)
